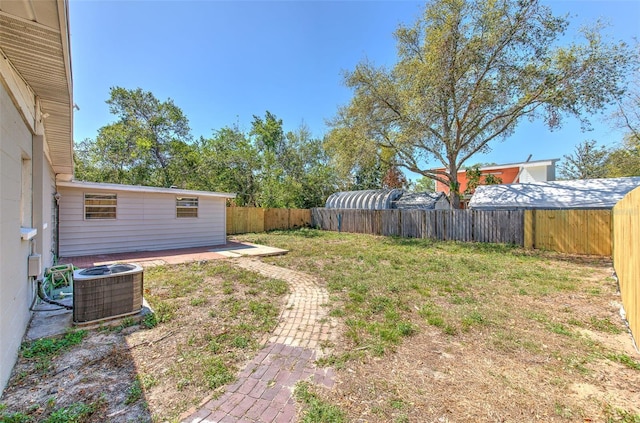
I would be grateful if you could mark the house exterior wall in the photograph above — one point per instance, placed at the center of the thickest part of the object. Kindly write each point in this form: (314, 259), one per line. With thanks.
(144, 221)
(536, 174)
(507, 174)
(16, 289)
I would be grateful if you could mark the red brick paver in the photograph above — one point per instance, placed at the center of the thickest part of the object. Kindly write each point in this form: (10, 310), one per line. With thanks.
(263, 391)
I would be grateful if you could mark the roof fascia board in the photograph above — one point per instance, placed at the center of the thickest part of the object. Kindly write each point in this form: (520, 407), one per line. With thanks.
(20, 92)
(140, 188)
(65, 40)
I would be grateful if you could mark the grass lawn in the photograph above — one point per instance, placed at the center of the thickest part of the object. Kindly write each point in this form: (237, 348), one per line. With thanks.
(430, 332)
(440, 331)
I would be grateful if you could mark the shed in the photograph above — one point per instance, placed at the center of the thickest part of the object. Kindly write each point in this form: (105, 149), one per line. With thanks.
(380, 199)
(422, 201)
(573, 194)
(99, 218)
(386, 199)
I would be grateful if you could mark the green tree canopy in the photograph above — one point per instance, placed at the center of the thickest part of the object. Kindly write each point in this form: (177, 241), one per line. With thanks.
(467, 72)
(475, 178)
(139, 147)
(588, 161)
(625, 160)
(229, 162)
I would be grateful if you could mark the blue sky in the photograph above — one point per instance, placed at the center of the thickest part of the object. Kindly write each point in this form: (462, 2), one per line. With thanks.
(224, 61)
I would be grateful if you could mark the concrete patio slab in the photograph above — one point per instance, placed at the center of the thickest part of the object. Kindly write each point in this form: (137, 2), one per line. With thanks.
(231, 249)
(51, 320)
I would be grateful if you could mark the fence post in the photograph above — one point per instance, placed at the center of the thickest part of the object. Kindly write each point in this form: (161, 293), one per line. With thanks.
(529, 229)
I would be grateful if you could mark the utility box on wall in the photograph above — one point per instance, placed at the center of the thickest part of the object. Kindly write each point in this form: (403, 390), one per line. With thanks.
(35, 265)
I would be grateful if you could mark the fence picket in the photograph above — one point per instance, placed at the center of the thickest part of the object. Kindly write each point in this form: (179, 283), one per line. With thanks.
(455, 225)
(626, 256)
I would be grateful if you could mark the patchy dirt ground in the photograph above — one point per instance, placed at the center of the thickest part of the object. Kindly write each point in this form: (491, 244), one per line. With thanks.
(533, 369)
(210, 323)
(488, 374)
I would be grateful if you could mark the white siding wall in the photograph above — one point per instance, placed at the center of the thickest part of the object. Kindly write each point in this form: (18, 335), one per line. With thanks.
(16, 290)
(534, 174)
(145, 221)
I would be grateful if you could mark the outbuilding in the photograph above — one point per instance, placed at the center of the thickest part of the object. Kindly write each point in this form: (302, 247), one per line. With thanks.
(422, 201)
(100, 218)
(371, 199)
(387, 199)
(574, 194)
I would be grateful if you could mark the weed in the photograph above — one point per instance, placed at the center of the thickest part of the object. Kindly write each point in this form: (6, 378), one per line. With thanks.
(48, 347)
(624, 359)
(150, 321)
(148, 381)
(337, 312)
(560, 329)
(433, 314)
(125, 323)
(605, 325)
(276, 287)
(618, 415)
(405, 329)
(336, 361)
(165, 311)
(134, 393)
(74, 413)
(216, 372)
(397, 403)
(14, 417)
(315, 409)
(472, 319)
(198, 301)
(241, 342)
(563, 411)
(45, 349)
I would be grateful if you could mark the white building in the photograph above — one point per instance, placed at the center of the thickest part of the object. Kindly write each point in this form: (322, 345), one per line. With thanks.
(575, 194)
(36, 122)
(36, 186)
(97, 218)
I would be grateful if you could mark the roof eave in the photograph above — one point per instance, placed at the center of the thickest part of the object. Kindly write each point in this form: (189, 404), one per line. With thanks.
(141, 189)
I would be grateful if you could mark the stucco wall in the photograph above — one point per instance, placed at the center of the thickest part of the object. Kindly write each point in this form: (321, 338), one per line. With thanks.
(145, 221)
(534, 174)
(16, 290)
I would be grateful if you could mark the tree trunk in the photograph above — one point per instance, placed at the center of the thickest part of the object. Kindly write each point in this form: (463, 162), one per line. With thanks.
(454, 186)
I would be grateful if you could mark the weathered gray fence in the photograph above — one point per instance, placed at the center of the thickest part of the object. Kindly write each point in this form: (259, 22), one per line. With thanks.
(498, 226)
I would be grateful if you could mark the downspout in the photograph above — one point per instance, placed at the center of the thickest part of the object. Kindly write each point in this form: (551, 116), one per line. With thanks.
(56, 196)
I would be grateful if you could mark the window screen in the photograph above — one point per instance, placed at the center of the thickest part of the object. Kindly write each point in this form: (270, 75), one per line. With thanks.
(186, 206)
(100, 206)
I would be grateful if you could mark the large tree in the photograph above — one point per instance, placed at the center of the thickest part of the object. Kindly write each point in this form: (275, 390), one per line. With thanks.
(141, 145)
(625, 159)
(467, 72)
(626, 115)
(588, 161)
(295, 170)
(229, 163)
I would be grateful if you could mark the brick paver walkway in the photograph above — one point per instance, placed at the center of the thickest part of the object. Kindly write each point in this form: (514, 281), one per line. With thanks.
(263, 391)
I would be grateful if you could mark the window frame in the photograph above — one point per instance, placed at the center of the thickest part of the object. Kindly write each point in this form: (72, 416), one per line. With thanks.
(96, 196)
(186, 206)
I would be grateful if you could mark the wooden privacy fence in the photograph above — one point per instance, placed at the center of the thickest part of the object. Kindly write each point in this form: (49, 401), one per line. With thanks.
(569, 231)
(566, 231)
(498, 226)
(626, 256)
(241, 220)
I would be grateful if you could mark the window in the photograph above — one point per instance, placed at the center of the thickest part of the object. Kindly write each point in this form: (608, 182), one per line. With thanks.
(186, 206)
(100, 206)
